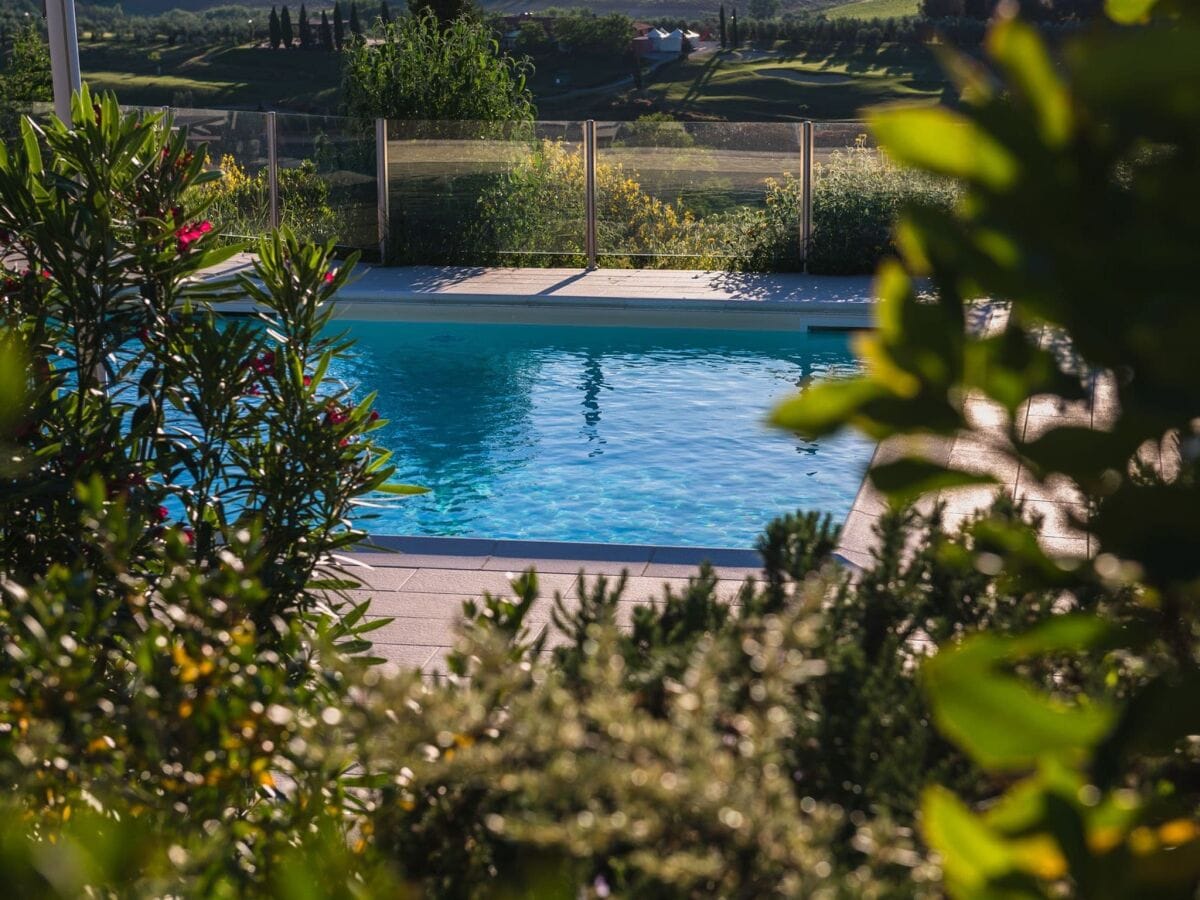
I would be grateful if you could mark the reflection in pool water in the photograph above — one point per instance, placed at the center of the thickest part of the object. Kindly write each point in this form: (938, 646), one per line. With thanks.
(599, 434)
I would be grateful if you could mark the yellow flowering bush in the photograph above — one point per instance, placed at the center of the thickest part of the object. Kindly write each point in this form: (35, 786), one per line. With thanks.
(239, 203)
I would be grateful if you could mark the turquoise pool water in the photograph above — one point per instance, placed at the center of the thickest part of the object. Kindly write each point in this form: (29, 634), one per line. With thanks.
(599, 434)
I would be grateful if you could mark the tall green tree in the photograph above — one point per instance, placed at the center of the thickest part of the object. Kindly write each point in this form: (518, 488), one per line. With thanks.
(274, 33)
(355, 26)
(724, 34)
(385, 14)
(305, 29)
(735, 39)
(424, 70)
(286, 31)
(339, 26)
(326, 33)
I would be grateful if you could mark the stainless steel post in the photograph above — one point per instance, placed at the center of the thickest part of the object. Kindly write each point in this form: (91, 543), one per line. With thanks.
(383, 197)
(589, 187)
(806, 190)
(273, 168)
(63, 39)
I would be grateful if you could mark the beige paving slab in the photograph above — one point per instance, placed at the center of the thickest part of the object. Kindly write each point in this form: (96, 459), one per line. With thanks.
(565, 566)
(474, 583)
(413, 632)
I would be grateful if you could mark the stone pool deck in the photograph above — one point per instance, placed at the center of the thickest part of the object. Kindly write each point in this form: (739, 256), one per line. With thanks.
(420, 583)
(620, 297)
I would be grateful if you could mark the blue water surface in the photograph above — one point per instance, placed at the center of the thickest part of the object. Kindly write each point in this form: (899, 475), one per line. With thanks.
(599, 434)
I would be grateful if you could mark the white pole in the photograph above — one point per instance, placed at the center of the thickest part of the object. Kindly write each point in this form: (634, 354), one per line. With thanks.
(64, 54)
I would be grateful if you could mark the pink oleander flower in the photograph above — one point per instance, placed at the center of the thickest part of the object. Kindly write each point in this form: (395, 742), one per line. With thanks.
(189, 234)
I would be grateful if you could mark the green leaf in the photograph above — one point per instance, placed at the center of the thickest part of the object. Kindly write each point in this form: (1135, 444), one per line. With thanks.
(999, 720)
(1129, 12)
(907, 479)
(402, 489)
(825, 407)
(974, 856)
(942, 141)
(1017, 47)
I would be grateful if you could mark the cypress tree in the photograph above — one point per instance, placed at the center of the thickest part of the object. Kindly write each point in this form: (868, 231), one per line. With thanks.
(724, 35)
(339, 27)
(355, 25)
(274, 35)
(733, 30)
(326, 32)
(285, 27)
(305, 29)
(385, 14)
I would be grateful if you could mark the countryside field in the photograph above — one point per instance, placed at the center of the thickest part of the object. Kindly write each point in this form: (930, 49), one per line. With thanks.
(754, 86)
(243, 77)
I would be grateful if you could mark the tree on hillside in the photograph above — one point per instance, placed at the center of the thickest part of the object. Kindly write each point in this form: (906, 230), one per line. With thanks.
(274, 35)
(285, 27)
(326, 33)
(339, 27)
(583, 32)
(355, 25)
(445, 10)
(764, 9)
(734, 37)
(426, 70)
(305, 29)
(385, 14)
(724, 35)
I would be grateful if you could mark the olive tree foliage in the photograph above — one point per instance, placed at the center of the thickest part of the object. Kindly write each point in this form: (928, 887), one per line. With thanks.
(1080, 209)
(425, 70)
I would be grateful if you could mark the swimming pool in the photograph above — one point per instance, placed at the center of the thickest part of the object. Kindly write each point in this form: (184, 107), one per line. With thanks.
(622, 435)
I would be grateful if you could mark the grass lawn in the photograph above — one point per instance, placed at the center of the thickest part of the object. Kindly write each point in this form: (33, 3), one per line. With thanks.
(241, 77)
(874, 9)
(751, 86)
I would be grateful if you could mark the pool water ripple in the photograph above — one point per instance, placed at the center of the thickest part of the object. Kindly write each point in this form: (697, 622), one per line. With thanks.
(600, 434)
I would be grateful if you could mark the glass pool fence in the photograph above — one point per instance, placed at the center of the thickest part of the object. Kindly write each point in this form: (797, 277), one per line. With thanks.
(656, 194)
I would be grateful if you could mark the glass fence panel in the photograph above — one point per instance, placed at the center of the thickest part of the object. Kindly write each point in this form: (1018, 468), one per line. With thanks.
(327, 179)
(697, 194)
(858, 194)
(486, 193)
(235, 143)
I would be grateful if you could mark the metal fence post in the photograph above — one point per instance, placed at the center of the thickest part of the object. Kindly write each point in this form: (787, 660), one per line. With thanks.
(806, 190)
(589, 191)
(273, 168)
(382, 191)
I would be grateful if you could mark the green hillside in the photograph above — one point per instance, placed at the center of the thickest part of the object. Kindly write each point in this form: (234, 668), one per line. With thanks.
(753, 86)
(874, 9)
(244, 77)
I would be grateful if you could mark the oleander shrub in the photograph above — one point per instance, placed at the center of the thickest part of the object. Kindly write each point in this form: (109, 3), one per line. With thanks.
(173, 489)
